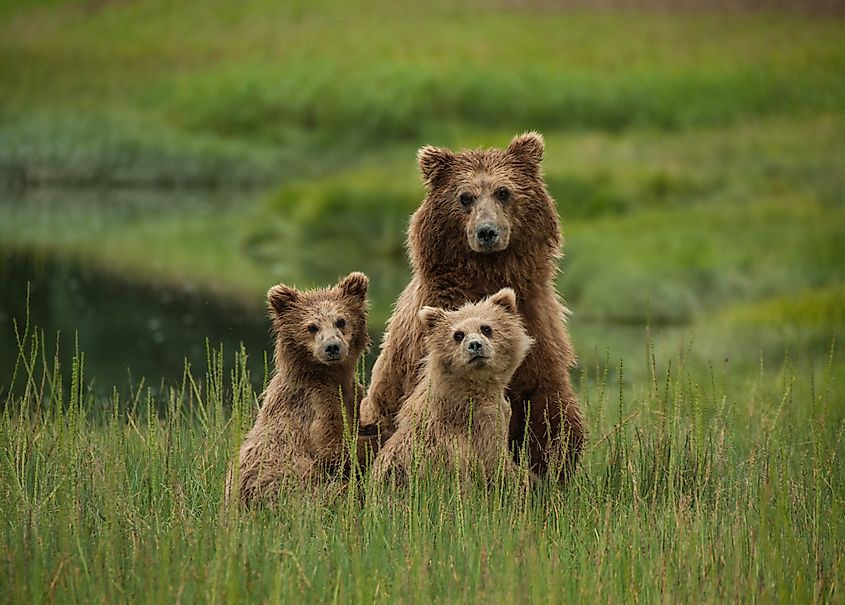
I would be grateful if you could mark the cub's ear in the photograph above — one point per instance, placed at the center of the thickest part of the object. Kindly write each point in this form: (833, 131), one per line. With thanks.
(528, 146)
(430, 317)
(505, 298)
(432, 161)
(354, 285)
(280, 298)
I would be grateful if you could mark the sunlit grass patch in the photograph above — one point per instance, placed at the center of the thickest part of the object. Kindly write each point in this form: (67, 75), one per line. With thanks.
(209, 79)
(822, 307)
(676, 266)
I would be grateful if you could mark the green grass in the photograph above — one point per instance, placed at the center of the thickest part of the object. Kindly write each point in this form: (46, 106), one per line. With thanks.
(692, 488)
(238, 91)
(696, 161)
(687, 224)
(694, 156)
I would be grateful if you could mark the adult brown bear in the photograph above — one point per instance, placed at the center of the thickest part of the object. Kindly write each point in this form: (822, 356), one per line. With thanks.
(488, 222)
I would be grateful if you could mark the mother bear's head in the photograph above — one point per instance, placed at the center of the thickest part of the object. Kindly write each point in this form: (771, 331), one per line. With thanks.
(484, 206)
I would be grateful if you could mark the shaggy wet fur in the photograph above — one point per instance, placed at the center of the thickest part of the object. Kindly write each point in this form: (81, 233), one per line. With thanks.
(452, 265)
(458, 414)
(298, 435)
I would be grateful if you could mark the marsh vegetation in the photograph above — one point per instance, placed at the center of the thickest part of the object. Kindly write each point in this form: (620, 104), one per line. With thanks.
(177, 160)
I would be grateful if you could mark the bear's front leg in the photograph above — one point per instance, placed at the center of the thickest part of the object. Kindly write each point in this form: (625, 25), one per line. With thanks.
(550, 418)
(390, 464)
(395, 370)
(327, 443)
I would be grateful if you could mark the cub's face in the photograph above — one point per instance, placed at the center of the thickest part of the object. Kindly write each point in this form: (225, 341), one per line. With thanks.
(485, 340)
(327, 326)
(490, 193)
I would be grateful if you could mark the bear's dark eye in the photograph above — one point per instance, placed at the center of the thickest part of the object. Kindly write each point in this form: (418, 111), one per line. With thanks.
(312, 329)
(502, 194)
(340, 323)
(467, 199)
(487, 331)
(459, 336)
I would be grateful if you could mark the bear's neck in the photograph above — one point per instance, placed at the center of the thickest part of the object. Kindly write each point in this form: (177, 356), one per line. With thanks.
(452, 394)
(318, 377)
(488, 273)
(443, 260)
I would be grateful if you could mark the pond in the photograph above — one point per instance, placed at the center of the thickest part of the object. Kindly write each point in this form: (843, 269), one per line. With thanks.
(126, 330)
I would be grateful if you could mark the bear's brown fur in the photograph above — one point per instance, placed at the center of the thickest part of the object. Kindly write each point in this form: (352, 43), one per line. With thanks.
(488, 222)
(299, 433)
(458, 415)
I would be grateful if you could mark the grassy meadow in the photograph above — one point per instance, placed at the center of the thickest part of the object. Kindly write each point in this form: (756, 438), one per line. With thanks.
(697, 161)
(695, 491)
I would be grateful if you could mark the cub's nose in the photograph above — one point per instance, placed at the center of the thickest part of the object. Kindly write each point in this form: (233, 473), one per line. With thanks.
(332, 349)
(487, 234)
(475, 346)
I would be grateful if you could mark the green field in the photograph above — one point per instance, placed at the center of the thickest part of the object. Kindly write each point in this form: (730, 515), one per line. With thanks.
(697, 161)
(689, 491)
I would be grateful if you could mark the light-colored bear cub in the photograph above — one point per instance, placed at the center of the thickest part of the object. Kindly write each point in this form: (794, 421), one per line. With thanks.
(299, 433)
(457, 414)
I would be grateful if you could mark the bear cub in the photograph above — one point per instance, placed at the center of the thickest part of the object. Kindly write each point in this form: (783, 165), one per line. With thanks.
(458, 415)
(313, 397)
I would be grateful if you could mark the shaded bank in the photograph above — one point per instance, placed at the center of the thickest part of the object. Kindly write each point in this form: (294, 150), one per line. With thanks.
(127, 330)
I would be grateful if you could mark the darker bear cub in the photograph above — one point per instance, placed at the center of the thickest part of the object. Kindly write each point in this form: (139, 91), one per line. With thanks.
(311, 401)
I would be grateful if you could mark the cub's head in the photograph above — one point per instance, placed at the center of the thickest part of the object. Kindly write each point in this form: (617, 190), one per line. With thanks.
(495, 197)
(326, 326)
(480, 341)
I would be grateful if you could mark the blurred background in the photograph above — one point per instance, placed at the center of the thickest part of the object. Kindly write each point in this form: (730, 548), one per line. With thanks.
(162, 164)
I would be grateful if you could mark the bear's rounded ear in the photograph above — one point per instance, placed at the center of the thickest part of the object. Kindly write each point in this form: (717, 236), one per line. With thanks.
(432, 161)
(505, 298)
(354, 285)
(528, 146)
(281, 297)
(430, 317)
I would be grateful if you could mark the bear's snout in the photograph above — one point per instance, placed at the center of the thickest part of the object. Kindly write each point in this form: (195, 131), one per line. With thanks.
(488, 226)
(331, 350)
(475, 346)
(488, 235)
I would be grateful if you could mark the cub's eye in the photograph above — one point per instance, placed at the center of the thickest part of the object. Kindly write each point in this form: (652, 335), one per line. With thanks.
(487, 331)
(502, 194)
(312, 329)
(459, 336)
(467, 199)
(340, 323)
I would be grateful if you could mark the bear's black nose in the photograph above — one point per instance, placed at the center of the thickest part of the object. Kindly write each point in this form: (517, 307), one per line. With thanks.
(487, 234)
(475, 346)
(332, 349)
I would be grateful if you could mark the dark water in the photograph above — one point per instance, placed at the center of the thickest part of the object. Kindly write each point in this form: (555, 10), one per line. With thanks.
(126, 330)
